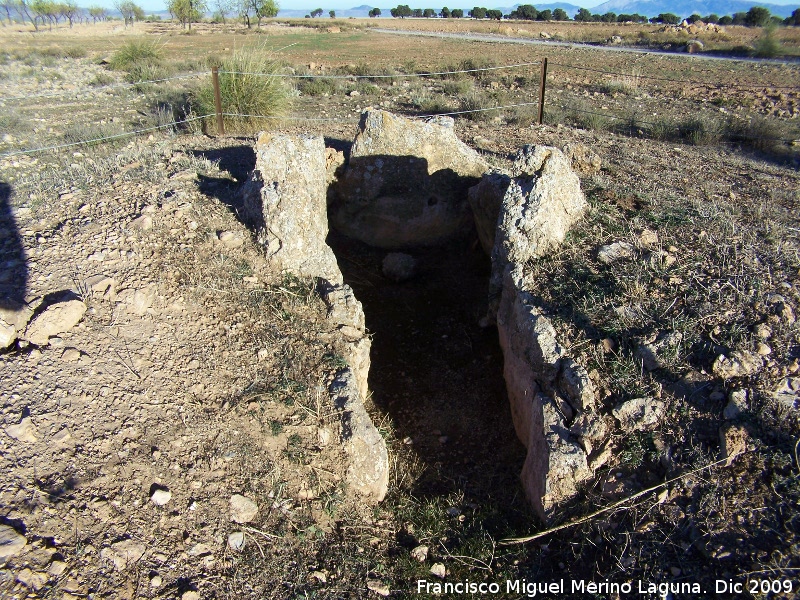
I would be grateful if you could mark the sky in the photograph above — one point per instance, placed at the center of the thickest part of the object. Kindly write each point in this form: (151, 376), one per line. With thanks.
(159, 5)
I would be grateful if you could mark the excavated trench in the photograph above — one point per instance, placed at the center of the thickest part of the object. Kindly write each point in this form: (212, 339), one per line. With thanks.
(435, 372)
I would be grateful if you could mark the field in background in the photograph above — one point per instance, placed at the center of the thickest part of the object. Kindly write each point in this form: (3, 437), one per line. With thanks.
(724, 209)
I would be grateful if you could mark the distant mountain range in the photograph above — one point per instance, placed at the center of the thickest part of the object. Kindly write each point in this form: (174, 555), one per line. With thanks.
(648, 8)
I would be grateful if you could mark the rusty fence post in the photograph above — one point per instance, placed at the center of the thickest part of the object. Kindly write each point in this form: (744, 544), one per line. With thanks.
(217, 100)
(542, 83)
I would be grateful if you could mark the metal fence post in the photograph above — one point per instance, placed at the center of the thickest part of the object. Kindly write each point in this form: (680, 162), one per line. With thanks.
(217, 100)
(542, 83)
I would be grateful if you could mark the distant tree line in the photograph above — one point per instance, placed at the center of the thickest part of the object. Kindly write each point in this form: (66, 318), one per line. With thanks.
(757, 16)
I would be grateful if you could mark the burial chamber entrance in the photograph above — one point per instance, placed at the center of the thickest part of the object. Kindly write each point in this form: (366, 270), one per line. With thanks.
(434, 371)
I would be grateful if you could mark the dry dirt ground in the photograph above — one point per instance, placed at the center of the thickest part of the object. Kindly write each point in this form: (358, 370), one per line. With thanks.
(197, 375)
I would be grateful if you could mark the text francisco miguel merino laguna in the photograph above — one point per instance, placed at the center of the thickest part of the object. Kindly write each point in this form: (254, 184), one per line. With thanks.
(531, 589)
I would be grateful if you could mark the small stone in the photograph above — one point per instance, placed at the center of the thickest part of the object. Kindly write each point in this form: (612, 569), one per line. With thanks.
(319, 576)
(57, 567)
(648, 239)
(611, 253)
(675, 571)
(24, 431)
(763, 331)
(739, 364)
(640, 414)
(144, 223)
(354, 94)
(438, 570)
(11, 542)
(378, 587)
(8, 334)
(243, 510)
(124, 554)
(608, 345)
(737, 404)
(160, 497)
(399, 267)
(236, 540)
(762, 349)
(732, 441)
(71, 355)
(420, 553)
(230, 239)
(156, 581)
(190, 595)
(32, 579)
(57, 318)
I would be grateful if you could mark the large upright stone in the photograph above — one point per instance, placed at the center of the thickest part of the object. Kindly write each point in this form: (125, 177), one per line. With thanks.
(542, 202)
(406, 182)
(368, 465)
(285, 202)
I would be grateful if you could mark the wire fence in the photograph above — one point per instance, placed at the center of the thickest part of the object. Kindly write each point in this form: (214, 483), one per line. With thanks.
(175, 124)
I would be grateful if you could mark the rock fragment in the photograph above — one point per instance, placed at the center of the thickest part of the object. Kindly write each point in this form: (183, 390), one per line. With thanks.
(420, 553)
(124, 554)
(377, 586)
(160, 496)
(57, 318)
(640, 414)
(583, 160)
(733, 441)
(24, 431)
(236, 540)
(243, 509)
(737, 404)
(611, 253)
(438, 570)
(11, 542)
(738, 364)
(399, 266)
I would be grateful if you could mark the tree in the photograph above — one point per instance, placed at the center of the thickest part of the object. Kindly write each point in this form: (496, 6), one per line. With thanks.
(726, 20)
(666, 18)
(428, 13)
(317, 12)
(739, 18)
(693, 18)
(457, 13)
(544, 15)
(417, 13)
(757, 16)
(260, 9)
(445, 13)
(69, 10)
(402, 11)
(712, 18)
(794, 20)
(494, 14)
(187, 11)
(98, 13)
(477, 13)
(583, 16)
(609, 17)
(525, 12)
(332, 14)
(375, 12)
(129, 10)
(9, 6)
(560, 14)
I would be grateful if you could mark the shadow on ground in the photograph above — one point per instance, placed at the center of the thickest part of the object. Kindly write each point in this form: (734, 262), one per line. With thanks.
(13, 266)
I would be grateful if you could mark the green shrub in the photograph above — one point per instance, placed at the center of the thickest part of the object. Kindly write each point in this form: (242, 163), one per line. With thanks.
(101, 79)
(75, 52)
(475, 101)
(457, 87)
(699, 131)
(316, 86)
(252, 88)
(136, 52)
(768, 46)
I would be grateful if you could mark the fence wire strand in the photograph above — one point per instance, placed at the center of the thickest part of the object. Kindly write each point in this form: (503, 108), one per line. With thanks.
(684, 81)
(104, 138)
(110, 86)
(384, 76)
